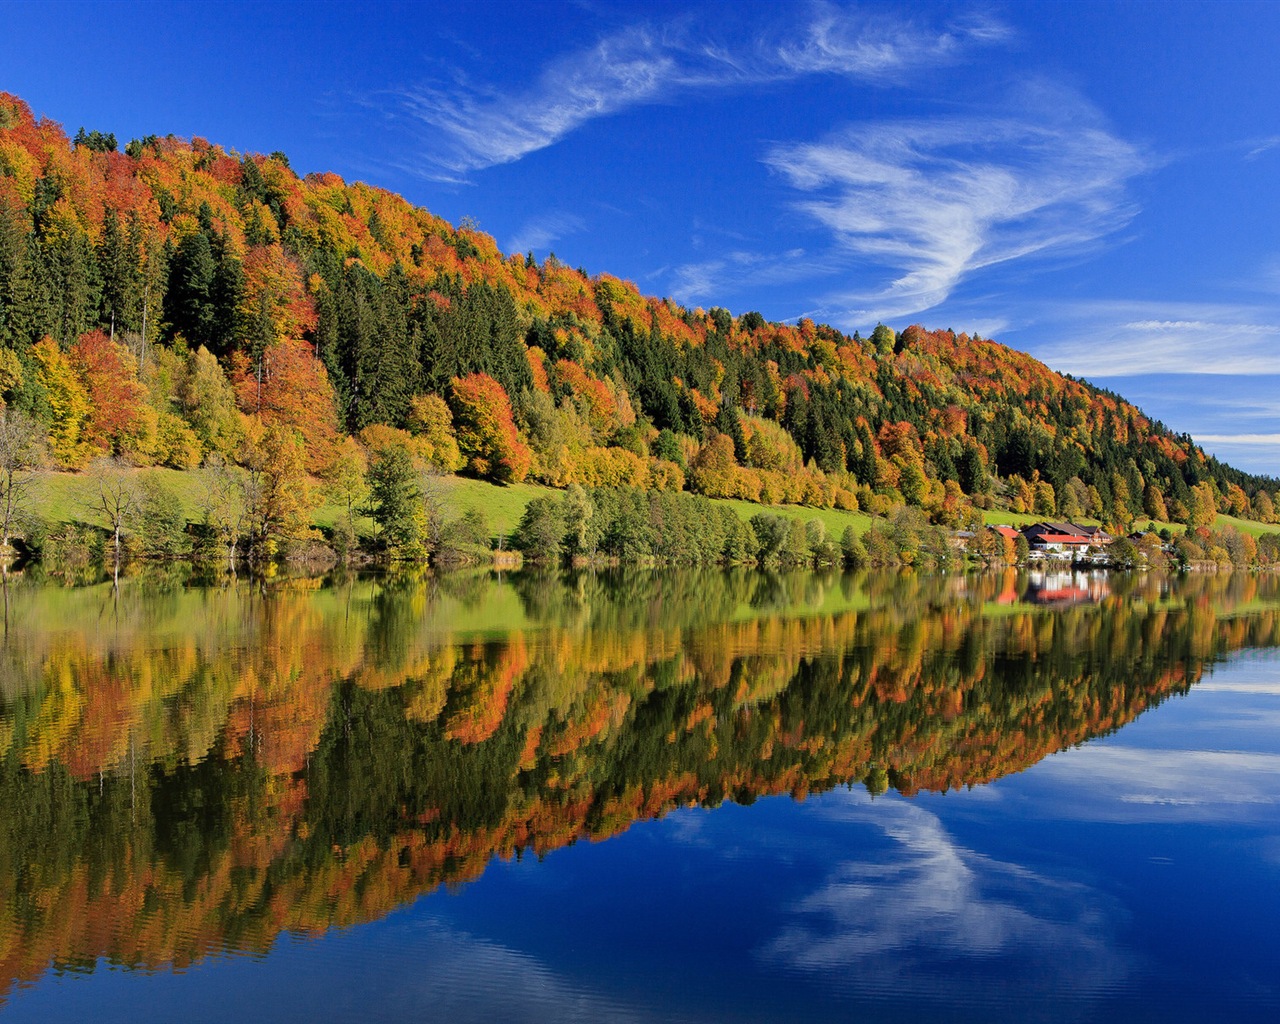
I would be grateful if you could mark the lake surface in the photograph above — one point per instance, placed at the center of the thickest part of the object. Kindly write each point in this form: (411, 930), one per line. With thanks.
(695, 796)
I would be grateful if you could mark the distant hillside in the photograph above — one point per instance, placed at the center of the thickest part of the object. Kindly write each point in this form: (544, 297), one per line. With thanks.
(191, 292)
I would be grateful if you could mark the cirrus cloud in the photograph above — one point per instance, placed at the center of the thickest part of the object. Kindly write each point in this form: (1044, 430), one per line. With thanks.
(924, 203)
(1126, 339)
(468, 126)
(538, 233)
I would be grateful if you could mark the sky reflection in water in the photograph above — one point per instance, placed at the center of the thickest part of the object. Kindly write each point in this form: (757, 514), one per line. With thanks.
(1133, 878)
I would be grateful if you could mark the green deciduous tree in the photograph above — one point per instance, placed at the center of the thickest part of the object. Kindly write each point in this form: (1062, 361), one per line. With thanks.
(540, 531)
(223, 503)
(347, 487)
(159, 520)
(396, 503)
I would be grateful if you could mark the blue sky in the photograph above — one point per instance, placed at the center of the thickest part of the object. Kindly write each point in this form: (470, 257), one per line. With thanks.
(1092, 183)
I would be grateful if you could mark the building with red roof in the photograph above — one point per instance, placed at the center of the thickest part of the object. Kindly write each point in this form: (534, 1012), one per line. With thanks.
(1064, 538)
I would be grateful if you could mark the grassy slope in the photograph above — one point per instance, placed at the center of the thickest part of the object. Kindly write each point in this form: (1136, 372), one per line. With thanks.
(502, 505)
(68, 497)
(999, 517)
(1246, 526)
(65, 497)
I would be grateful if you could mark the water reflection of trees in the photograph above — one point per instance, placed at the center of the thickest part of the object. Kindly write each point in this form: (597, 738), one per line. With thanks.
(183, 771)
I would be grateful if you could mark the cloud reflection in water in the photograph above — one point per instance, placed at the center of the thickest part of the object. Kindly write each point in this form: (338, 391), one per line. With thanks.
(930, 915)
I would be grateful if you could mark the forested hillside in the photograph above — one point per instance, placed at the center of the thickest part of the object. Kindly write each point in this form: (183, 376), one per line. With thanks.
(175, 301)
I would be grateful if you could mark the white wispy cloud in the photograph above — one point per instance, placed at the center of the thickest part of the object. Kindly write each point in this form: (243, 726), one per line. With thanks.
(1124, 339)
(1265, 439)
(927, 202)
(1199, 326)
(1103, 782)
(470, 126)
(475, 126)
(1241, 701)
(1258, 687)
(539, 233)
(868, 45)
(1259, 146)
(708, 279)
(464, 977)
(1247, 407)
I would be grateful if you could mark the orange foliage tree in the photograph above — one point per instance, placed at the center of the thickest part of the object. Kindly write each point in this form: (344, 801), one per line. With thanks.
(487, 433)
(290, 387)
(275, 299)
(110, 377)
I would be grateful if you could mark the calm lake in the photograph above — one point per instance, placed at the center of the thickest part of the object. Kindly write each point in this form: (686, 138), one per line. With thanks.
(648, 796)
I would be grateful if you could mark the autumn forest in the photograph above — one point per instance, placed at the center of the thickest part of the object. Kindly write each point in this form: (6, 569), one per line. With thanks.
(173, 303)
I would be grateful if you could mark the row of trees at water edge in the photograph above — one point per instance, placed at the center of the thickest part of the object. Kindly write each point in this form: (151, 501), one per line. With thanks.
(627, 525)
(178, 301)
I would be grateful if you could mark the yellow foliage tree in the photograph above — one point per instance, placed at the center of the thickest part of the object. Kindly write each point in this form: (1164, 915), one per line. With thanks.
(280, 497)
(713, 471)
(68, 402)
(431, 422)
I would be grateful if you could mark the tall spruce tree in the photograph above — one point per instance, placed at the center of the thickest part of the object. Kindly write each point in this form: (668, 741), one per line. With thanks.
(118, 262)
(188, 306)
(17, 283)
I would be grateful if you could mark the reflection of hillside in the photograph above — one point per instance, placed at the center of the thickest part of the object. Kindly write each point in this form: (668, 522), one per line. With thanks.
(188, 771)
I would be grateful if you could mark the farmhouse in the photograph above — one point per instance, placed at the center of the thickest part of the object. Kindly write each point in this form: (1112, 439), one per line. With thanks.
(1064, 538)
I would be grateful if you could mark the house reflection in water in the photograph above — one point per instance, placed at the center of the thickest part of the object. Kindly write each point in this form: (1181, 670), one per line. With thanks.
(1060, 589)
